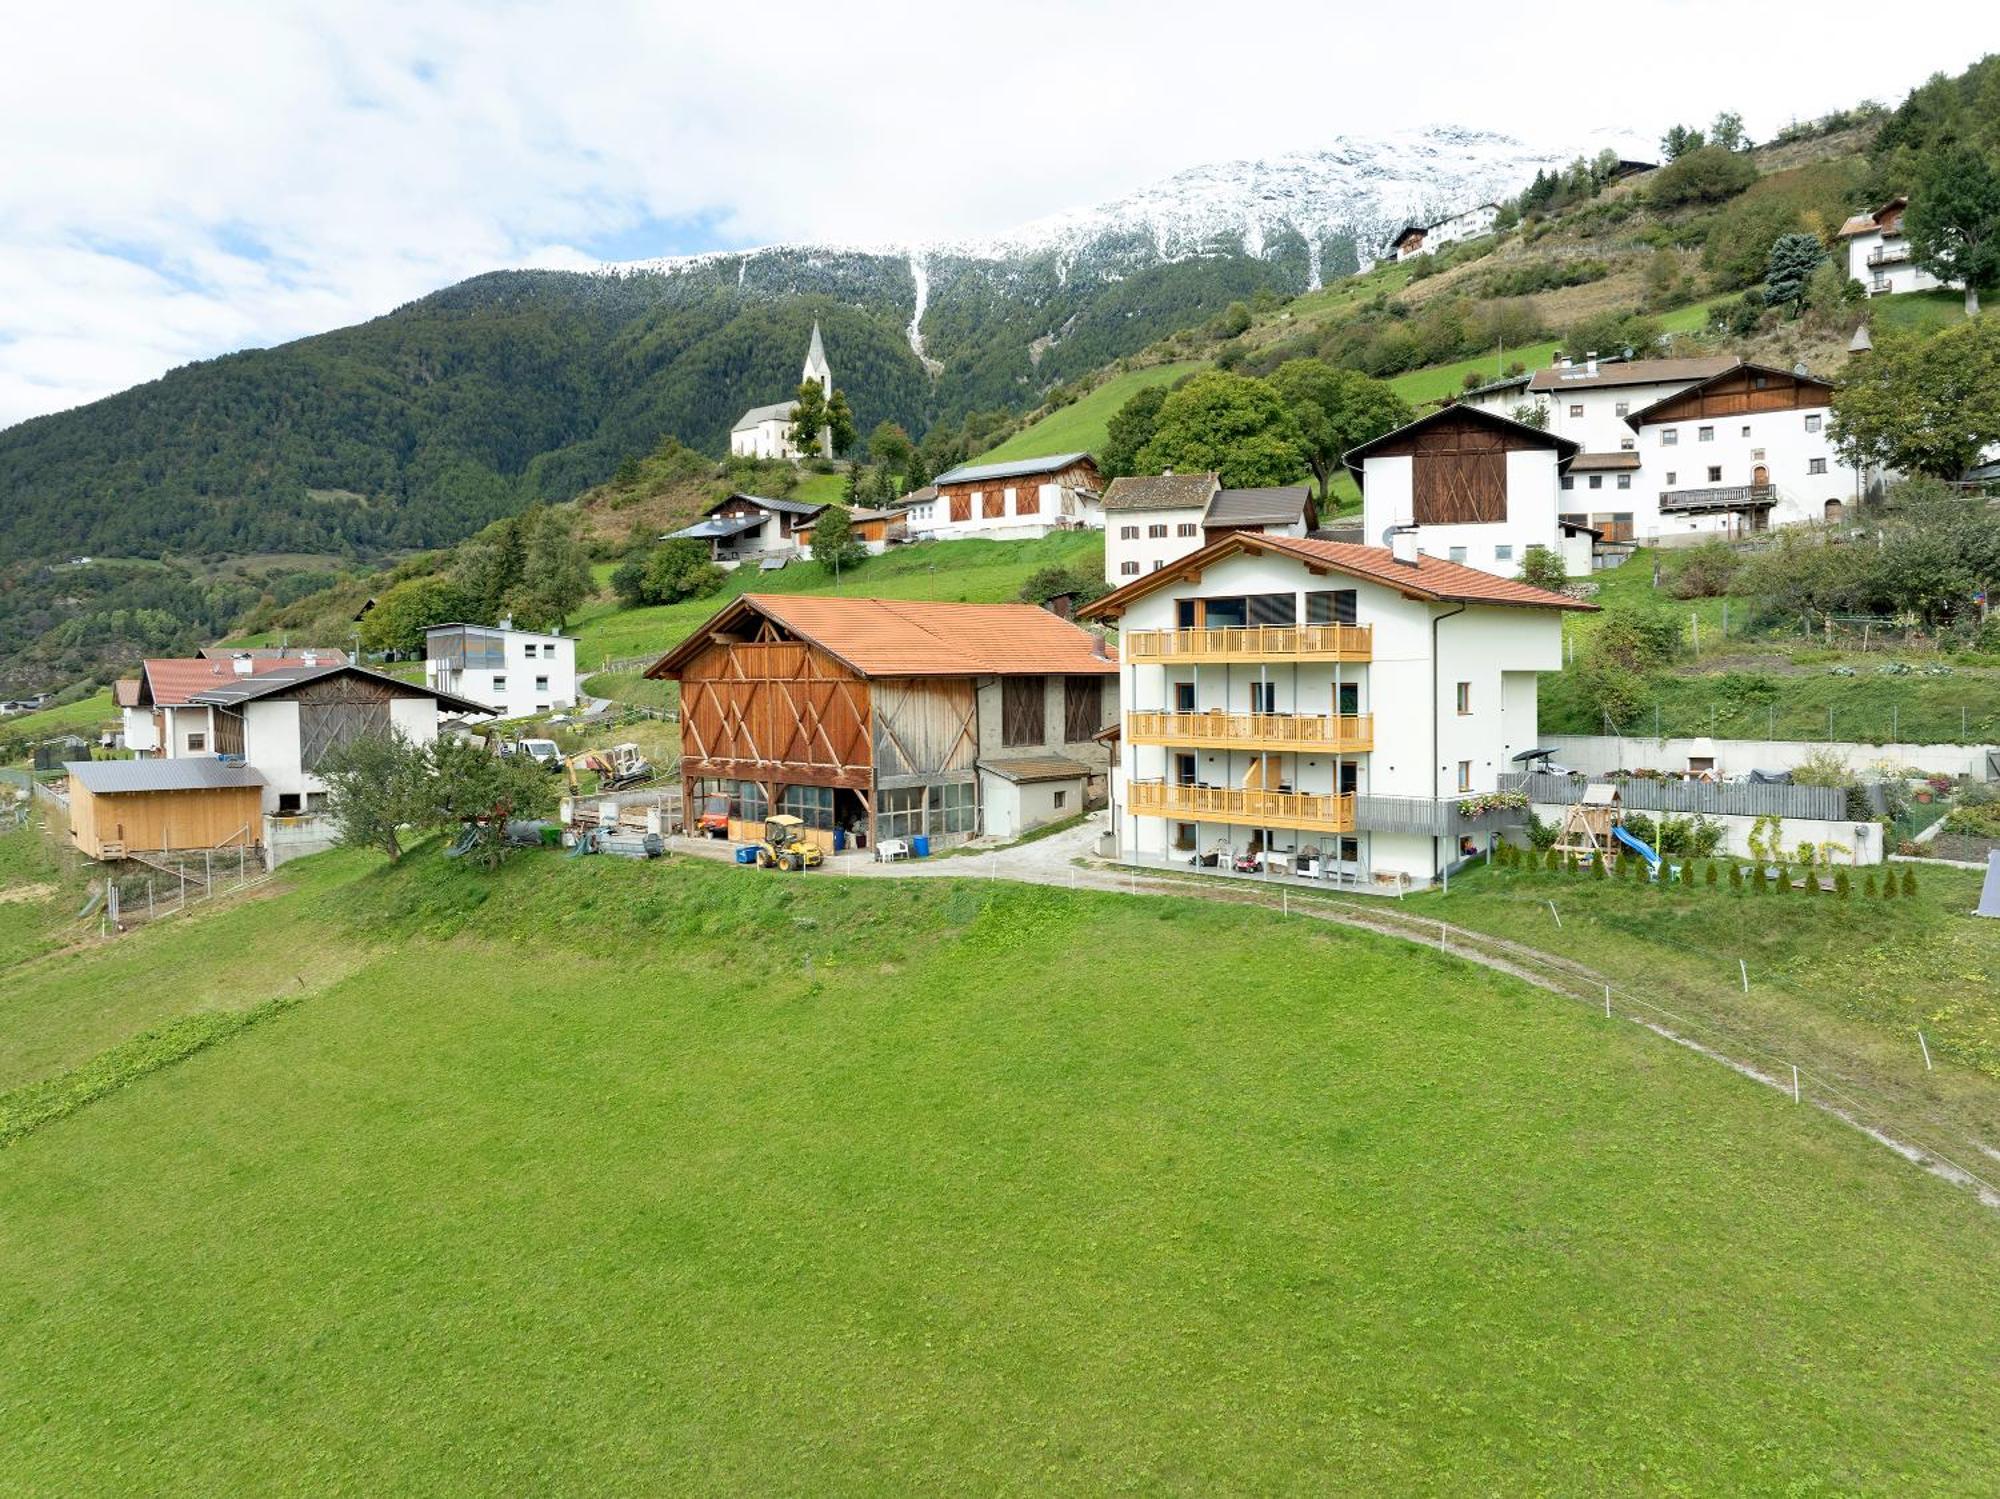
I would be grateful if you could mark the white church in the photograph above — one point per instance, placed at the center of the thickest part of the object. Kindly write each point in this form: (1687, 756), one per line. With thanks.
(765, 431)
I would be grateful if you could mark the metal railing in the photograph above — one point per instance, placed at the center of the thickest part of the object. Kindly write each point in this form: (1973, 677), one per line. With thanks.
(1710, 798)
(1718, 497)
(1436, 817)
(1277, 731)
(1245, 806)
(1251, 643)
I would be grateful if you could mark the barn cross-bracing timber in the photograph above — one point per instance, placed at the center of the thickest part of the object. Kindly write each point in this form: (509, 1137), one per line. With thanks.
(891, 718)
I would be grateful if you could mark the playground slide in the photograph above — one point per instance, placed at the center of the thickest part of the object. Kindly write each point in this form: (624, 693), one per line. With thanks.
(1652, 859)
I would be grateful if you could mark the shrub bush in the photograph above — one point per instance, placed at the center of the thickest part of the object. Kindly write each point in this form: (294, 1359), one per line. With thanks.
(1909, 882)
(1735, 876)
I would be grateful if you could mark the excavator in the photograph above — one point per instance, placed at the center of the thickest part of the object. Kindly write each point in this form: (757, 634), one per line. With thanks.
(620, 766)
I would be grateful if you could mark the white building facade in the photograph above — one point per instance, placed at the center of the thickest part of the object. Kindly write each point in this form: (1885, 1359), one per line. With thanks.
(1878, 252)
(1152, 521)
(511, 673)
(1323, 710)
(1021, 500)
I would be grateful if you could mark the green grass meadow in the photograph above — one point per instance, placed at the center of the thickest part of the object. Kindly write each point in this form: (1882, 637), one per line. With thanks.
(599, 1178)
(1080, 426)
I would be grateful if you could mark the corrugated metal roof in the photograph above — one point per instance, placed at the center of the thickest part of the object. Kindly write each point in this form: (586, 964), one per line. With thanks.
(716, 527)
(1160, 492)
(915, 638)
(782, 507)
(123, 777)
(1257, 507)
(972, 473)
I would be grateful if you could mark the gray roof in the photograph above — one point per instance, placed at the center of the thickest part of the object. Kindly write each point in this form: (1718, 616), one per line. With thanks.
(285, 678)
(782, 507)
(970, 473)
(117, 777)
(1021, 769)
(776, 411)
(1159, 492)
(717, 527)
(1257, 507)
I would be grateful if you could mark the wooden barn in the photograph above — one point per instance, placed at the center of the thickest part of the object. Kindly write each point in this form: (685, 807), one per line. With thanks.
(118, 808)
(890, 719)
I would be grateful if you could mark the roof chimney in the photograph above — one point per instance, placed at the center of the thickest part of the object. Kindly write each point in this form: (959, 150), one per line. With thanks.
(1097, 646)
(1562, 360)
(240, 664)
(1590, 362)
(1403, 544)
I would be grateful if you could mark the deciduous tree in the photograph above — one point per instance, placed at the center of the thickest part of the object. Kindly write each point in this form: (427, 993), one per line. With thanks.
(1923, 405)
(834, 544)
(1131, 427)
(1954, 221)
(376, 785)
(1234, 424)
(1335, 410)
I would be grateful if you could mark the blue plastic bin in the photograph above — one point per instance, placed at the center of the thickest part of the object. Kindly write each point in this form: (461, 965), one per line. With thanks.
(839, 840)
(920, 845)
(747, 854)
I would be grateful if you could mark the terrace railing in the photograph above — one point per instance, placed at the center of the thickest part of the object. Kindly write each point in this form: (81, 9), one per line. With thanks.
(1719, 497)
(1710, 798)
(1250, 643)
(1350, 733)
(1243, 806)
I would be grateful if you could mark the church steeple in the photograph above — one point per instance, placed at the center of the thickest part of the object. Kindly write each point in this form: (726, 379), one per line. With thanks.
(816, 365)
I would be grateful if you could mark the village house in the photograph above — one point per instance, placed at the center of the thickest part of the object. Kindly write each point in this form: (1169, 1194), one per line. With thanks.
(513, 673)
(1322, 710)
(766, 431)
(1653, 486)
(1021, 500)
(885, 719)
(744, 527)
(245, 747)
(1422, 239)
(160, 715)
(1878, 252)
(1472, 487)
(875, 529)
(1151, 521)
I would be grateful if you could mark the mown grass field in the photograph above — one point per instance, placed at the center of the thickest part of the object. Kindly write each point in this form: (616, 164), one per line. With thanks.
(602, 1178)
(83, 716)
(980, 572)
(1080, 426)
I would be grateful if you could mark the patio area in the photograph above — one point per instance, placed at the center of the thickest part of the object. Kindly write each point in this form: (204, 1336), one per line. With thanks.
(1275, 871)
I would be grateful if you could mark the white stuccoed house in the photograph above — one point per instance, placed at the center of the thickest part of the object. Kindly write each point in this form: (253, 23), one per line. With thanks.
(512, 673)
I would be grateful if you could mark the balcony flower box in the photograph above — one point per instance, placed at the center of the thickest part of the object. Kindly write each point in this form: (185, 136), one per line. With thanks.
(1492, 801)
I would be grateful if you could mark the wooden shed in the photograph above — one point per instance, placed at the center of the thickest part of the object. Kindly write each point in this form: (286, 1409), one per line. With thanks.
(118, 808)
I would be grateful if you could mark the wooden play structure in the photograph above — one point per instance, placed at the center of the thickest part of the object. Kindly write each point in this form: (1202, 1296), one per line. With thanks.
(1587, 825)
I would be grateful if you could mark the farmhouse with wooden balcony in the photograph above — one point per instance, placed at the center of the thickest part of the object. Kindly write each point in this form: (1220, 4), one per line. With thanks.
(1878, 252)
(1323, 710)
(891, 719)
(1019, 500)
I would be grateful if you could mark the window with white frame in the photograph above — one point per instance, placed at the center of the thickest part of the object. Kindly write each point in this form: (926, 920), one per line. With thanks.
(1188, 528)
(1457, 554)
(1623, 408)
(1576, 408)
(1624, 481)
(1464, 698)
(1714, 474)
(1503, 553)
(499, 684)
(1596, 481)
(1128, 569)
(1128, 533)
(541, 684)
(1465, 775)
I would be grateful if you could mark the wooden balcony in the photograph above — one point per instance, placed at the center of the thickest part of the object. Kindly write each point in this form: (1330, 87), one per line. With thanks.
(1254, 643)
(1718, 497)
(1297, 733)
(1243, 807)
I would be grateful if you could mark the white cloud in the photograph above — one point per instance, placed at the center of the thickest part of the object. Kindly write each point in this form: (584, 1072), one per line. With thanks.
(184, 180)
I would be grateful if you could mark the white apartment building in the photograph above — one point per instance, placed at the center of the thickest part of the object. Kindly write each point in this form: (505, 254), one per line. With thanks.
(1150, 521)
(1878, 253)
(509, 672)
(1322, 710)
(1472, 487)
(1023, 499)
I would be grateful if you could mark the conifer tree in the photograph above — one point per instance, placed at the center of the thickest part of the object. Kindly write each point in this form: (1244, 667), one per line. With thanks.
(1909, 882)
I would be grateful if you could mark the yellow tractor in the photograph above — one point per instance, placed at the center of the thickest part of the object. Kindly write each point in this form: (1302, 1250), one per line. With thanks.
(785, 846)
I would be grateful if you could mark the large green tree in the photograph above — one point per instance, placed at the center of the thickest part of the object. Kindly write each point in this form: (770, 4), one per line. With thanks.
(1954, 220)
(1335, 410)
(555, 574)
(1236, 425)
(1923, 405)
(834, 544)
(1789, 268)
(839, 422)
(376, 786)
(404, 612)
(1131, 427)
(809, 417)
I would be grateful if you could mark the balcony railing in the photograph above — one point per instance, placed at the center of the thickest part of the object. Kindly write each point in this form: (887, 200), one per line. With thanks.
(1245, 807)
(1351, 733)
(1252, 643)
(1889, 255)
(1719, 497)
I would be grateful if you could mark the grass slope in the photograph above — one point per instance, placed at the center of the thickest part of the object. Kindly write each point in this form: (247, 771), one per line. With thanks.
(83, 716)
(958, 1187)
(980, 572)
(1079, 426)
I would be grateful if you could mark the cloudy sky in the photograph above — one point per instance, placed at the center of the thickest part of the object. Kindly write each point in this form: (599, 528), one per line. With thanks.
(181, 180)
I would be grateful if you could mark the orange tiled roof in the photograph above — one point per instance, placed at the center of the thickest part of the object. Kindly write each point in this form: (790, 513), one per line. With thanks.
(1429, 578)
(125, 692)
(168, 682)
(915, 638)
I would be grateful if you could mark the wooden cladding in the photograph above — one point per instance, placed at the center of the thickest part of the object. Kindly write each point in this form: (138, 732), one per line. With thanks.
(1742, 392)
(1459, 486)
(924, 728)
(338, 710)
(1083, 707)
(1023, 719)
(961, 504)
(775, 708)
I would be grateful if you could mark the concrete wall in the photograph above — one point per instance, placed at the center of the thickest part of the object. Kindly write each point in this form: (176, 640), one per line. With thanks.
(1599, 753)
(288, 838)
(1863, 839)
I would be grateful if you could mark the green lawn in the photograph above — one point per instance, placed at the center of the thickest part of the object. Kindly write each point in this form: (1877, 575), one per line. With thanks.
(1434, 382)
(981, 572)
(1916, 312)
(83, 716)
(600, 1178)
(1079, 426)
(39, 893)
